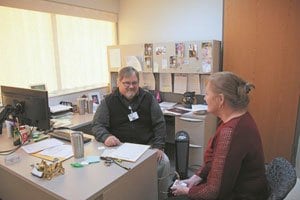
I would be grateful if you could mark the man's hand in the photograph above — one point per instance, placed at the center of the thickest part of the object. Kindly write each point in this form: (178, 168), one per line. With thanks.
(112, 141)
(159, 154)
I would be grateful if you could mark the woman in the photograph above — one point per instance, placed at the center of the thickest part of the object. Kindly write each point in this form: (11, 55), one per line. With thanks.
(234, 160)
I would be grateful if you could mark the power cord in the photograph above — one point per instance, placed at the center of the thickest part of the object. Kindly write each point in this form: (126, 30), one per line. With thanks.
(10, 151)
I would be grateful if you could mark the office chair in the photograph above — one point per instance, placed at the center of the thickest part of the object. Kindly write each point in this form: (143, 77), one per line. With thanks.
(281, 176)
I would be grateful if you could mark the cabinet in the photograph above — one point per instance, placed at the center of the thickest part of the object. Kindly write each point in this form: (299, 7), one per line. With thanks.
(187, 57)
(200, 128)
(201, 56)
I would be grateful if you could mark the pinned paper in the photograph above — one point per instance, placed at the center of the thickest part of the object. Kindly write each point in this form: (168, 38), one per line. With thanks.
(133, 61)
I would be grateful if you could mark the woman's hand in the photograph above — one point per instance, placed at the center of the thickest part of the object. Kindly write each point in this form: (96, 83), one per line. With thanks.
(179, 188)
(193, 180)
(182, 187)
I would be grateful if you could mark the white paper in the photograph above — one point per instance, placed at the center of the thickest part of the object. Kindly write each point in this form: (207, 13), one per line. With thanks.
(134, 62)
(167, 105)
(61, 151)
(203, 81)
(165, 82)
(197, 107)
(115, 57)
(127, 151)
(164, 63)
(194, 83)
(39, 146)
(180, 83)
(147, 80)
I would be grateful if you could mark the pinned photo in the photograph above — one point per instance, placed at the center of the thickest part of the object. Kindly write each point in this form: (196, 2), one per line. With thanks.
(193, 50)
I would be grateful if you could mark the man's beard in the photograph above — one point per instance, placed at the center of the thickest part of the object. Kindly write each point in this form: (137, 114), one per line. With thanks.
(130, 94)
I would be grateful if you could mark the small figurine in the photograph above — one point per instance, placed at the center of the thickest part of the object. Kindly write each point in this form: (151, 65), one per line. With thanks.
(50, 170)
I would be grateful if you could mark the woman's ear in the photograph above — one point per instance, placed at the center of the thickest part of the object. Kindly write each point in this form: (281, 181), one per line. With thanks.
(221, 99)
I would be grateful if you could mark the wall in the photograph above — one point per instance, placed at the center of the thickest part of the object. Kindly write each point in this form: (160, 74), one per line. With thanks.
(262, 44)
(72, 97)
(170, 20)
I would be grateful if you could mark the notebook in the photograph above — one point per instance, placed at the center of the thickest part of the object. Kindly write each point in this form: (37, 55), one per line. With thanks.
(127, 151)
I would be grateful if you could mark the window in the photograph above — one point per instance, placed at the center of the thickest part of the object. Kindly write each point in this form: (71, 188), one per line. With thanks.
(64, 52)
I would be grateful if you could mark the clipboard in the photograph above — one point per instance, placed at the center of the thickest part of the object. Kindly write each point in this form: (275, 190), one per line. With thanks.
(51, 155)
(50, 158)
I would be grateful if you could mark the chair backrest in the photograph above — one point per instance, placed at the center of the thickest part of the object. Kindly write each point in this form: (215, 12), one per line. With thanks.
(282, 178)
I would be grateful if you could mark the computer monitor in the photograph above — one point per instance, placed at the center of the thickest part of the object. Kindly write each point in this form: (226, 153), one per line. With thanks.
(35, 108)
(38, 87)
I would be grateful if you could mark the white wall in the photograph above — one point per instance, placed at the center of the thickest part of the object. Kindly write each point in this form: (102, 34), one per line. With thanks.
(72, 97)
(142, 21)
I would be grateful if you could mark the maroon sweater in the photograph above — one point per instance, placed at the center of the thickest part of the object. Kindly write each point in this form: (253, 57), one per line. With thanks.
(233, 164)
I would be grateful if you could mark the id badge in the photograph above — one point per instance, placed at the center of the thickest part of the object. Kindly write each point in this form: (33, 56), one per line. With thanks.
(133, 116)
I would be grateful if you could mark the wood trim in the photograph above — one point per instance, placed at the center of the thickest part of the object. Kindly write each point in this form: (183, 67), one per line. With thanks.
(262, 44)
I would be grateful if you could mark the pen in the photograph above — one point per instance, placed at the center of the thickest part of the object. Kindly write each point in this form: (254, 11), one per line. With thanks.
(117, 163)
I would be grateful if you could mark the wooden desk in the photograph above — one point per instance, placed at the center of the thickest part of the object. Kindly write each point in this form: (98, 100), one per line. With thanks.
(94, 181)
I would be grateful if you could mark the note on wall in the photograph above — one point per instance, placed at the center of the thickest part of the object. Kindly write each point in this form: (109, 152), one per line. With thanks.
(165, 82)
(194, 83)
(180, 83)
(206, 51)
(134, 62)
(147, 80)
(203, 82)
(115, 57)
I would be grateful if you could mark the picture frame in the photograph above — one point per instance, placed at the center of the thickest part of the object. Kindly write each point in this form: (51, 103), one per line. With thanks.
(95, 96)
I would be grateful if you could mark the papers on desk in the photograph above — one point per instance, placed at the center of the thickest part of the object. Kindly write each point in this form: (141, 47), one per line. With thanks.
(166, 105)
(49, 149)
(59, 108)
(198, 107)
(44, 144)
(60, 152)
(177, 111)
(57, 123)
(127, 151)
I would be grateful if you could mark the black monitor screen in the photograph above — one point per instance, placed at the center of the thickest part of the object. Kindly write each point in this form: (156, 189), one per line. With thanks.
(35, 108)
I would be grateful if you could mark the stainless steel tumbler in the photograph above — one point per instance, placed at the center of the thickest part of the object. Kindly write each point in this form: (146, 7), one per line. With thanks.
(77, 144)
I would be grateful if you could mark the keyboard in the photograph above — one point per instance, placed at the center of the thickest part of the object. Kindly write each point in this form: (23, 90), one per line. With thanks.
(63, 135)
(59, 108)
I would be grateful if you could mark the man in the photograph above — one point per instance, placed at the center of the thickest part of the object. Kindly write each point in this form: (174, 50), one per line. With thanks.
(131, 114)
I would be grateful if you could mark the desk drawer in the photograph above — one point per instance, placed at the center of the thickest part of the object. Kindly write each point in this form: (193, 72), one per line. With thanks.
(195, 156)
(195, 129)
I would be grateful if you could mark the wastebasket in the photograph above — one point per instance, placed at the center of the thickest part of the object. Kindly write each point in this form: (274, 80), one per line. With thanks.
(182, 141)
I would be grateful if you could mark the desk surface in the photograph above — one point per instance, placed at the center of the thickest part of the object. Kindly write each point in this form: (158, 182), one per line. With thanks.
(78, 121)
(90, 182)
(81, 120)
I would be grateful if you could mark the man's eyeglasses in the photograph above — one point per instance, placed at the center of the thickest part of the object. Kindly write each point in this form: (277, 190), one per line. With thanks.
(127, 84)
